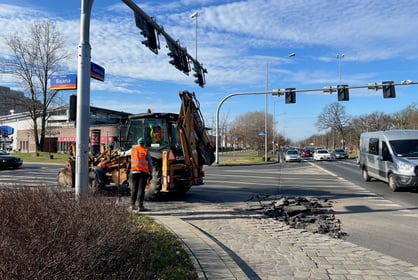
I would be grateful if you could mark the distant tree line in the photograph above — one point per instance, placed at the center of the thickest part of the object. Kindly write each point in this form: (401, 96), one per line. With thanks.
(343, 131)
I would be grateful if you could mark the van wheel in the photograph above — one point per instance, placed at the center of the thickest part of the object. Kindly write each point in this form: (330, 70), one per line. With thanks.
(392, 183)
(365, 175)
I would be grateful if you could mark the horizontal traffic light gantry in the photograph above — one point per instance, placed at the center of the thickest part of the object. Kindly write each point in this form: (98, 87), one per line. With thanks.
(388, 89)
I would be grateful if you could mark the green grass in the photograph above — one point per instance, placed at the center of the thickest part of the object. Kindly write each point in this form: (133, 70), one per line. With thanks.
(42, 157)
(243, 157)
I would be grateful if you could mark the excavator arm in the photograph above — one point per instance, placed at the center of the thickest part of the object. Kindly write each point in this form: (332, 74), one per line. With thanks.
(197, 147)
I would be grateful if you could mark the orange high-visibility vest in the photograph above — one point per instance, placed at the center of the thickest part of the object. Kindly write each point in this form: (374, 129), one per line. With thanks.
(139, 159)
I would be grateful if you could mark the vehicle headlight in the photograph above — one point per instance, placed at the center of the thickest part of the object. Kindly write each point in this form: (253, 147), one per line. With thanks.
(404, 165)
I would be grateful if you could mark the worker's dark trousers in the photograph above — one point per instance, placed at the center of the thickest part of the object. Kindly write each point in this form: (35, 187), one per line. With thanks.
(139, 181)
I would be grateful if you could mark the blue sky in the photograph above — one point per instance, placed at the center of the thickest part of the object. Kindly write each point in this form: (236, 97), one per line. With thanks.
(236, 41)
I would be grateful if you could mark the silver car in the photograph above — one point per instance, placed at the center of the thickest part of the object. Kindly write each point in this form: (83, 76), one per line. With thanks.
(292, 155)
(339, 153)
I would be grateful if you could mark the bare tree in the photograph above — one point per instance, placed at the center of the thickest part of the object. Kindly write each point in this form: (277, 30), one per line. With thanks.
(372, 122)
(247, 127)
(407, 118)
(334, 117)
(35, 57)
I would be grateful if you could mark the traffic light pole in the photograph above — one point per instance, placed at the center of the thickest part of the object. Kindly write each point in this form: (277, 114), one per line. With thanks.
(217, 116)
(83, 104)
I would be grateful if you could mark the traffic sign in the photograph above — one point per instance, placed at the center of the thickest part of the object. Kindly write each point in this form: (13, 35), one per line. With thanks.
(63, 82)
(97, 72)
(6, 130)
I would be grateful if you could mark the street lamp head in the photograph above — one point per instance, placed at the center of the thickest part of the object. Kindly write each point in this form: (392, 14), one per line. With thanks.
(292, 54)
(194, 15)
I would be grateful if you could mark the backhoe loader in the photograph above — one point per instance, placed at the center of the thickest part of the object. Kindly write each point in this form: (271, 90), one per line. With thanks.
(178, 143)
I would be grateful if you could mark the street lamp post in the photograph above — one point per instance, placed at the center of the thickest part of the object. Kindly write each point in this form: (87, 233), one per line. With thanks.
(340, 56)
(266, 109)
(195, 15)
(274, 130)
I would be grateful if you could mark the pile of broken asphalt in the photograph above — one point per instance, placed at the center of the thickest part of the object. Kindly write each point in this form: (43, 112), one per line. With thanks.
(312, 214)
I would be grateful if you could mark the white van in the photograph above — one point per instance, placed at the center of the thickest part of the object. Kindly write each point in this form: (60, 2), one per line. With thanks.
(390, 156)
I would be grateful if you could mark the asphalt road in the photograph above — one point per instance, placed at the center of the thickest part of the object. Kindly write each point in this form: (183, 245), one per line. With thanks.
(31, 174)
(380, 219)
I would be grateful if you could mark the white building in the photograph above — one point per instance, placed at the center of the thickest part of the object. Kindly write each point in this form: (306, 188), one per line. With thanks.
(60, 133)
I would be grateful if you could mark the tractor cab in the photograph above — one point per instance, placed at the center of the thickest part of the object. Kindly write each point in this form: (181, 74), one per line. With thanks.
(159, 131)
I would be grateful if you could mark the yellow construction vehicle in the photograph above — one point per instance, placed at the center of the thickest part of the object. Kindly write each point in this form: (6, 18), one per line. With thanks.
(178, 143)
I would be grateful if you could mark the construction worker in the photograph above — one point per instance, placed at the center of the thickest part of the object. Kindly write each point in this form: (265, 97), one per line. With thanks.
(141, 168)
(156, 134)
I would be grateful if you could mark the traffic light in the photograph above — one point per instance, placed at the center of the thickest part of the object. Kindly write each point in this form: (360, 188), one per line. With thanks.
(149, 32)
(72, 108)
(290, 94)
(388, 89)
(199, 74)
(178, 58)
(185, 62)
(152, 41)
(200, 78)
(175, 59)
(343, 93)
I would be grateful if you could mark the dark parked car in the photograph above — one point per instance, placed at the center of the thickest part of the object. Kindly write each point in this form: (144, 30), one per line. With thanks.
(339, 153)
(8, 161)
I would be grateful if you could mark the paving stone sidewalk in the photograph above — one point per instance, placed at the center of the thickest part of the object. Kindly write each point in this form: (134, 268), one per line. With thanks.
(228, 243)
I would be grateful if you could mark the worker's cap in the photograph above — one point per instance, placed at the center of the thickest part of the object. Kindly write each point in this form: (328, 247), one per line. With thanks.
(140, 140)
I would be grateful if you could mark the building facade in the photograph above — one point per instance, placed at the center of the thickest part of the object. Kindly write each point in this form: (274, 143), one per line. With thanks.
(60, 132)
(9, 101)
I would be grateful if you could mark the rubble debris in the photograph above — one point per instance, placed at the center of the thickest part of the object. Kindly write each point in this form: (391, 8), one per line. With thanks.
(312, 214)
